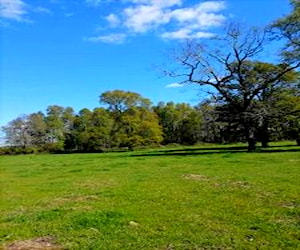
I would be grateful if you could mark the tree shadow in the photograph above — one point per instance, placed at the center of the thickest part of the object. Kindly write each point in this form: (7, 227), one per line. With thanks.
(218, 150)
(232, 148)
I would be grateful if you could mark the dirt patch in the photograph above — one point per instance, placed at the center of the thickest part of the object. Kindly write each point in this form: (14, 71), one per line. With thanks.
(289, 204)
(196, 177)
(67, 199)
(41, 243)
(240, 184)
(85, 198)
(96, 184)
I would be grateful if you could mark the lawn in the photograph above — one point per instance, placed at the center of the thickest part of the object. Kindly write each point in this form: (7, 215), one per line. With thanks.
(219, 197)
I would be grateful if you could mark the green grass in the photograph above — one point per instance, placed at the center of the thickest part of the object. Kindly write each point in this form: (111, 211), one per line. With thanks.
(181, 198)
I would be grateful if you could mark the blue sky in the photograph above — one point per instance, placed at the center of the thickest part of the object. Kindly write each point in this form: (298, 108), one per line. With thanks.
(68, 52)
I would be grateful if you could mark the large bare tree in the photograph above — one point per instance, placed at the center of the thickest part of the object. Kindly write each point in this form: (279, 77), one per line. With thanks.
(229, 68)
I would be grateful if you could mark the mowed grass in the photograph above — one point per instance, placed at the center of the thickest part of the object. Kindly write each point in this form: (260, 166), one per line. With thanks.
(170, 198)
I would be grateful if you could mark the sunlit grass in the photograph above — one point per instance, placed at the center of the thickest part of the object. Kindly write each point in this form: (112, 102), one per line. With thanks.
(168, 198)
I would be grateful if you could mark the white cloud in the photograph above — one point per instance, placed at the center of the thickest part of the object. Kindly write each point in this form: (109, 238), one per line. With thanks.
(113, 20)
(179, 34)
(18, 10)
(186, 34)
(13, 9)
(200, 16)
(159, 3)
(111, 38)
(170, 19)
(174, 85)
(144, 18)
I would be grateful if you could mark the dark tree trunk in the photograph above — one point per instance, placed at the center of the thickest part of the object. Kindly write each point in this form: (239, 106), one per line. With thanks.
(249, 134)
(265, 144)
(251, 144)
(264, 139)
(264, 134)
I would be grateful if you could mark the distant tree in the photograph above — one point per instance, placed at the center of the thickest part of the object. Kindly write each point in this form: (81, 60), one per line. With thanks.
(287, 116)
(59, 122)
(17, 132)
(55, 125)
(119, 101)
(217, 125)
(181, 123)
(134, 123)
(140, 128)
(37, 129)
(80, 137)
(91, 131)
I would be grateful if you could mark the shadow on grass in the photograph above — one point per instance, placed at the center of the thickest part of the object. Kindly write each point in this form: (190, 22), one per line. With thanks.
(219, 150)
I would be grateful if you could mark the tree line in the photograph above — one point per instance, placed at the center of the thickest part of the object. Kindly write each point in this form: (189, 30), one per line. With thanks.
(129, 120)
(249, 99)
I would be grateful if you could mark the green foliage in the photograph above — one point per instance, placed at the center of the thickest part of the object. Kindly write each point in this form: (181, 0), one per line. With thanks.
(119, 101)
(17, 150)
(140, 127)
(289, 28)
(59, 121)
(181, 123)
(134, 123)
(289, 104)
(91, 131)
(38, 129)
(128, 122)
(260, 99)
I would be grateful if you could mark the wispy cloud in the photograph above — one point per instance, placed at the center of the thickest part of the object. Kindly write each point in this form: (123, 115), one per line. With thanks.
(174, 85)
(19, 10)
(41, 10)
(113, 20)
(69, 14)
(170, 19)
(13, 9)
(186, 34)
(111, 38)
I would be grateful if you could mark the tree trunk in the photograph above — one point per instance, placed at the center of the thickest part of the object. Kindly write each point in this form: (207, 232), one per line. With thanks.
(264, 134)
(264, 138)
(250, 136)
(265, 144)
(251, 144)
(298, 137)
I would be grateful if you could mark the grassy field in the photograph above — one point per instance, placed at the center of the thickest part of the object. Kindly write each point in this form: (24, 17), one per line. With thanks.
(170, 198)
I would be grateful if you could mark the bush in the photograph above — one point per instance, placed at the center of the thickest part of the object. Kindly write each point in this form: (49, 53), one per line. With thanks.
(17, 150)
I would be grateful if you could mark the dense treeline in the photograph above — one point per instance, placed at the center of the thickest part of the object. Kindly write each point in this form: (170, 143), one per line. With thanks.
(129, 121)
